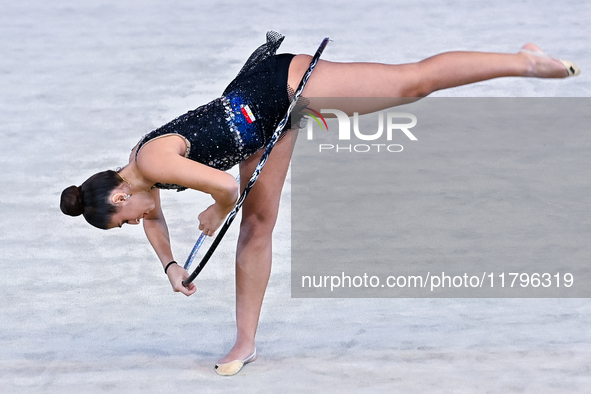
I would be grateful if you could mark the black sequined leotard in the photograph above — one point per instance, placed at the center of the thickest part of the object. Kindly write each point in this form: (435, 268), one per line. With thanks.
(229, 129)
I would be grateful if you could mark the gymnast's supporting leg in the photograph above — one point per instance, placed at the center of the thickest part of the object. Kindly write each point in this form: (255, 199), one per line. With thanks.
(253, 254)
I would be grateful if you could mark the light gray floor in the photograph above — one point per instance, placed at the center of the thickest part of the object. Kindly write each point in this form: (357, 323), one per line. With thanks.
(86, 310)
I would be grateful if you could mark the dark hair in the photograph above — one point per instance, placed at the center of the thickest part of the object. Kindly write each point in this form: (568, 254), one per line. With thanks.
(91, 199)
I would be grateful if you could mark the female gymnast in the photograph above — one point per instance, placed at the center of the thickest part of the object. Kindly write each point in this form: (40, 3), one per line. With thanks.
(194, 150)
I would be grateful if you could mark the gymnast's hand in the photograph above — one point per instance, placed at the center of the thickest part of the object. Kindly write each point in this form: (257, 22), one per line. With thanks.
(176, 275)
(212, 218)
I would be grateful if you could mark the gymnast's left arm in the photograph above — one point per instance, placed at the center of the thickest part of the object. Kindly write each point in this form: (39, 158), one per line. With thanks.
(164, 164)
(157, 233)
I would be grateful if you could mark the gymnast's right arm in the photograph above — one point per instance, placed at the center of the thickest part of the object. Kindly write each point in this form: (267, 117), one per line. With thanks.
(157, 233)
(162, 161)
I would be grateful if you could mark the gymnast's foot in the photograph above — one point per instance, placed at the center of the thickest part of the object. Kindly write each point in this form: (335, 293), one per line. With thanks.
(544, 66)
(232, 363)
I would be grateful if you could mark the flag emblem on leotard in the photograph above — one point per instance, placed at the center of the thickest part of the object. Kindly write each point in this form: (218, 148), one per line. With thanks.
(248, 114)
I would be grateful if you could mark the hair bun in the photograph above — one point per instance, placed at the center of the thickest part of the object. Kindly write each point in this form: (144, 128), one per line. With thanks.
(71, 203)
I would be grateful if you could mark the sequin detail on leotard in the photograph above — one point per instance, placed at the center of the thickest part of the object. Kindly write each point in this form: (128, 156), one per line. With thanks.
(231, 128)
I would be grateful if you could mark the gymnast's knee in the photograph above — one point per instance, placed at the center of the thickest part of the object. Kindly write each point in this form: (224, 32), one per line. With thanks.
(421, 84)
(257, 225)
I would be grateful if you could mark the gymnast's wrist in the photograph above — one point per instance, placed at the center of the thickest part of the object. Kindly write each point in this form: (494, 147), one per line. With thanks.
(168, 266)
(223, 209)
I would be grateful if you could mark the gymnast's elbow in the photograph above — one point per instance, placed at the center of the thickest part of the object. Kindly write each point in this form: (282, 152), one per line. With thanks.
(227, 191)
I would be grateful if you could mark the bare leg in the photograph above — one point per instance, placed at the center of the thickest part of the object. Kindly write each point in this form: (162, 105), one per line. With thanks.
(253, 254)
(416, 80)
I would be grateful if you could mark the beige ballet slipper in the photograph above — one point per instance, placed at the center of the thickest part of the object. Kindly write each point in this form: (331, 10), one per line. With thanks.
(571, 67)
(233, 367)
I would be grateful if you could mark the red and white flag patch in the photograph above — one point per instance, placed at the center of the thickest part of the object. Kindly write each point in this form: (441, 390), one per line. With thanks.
(248, 114)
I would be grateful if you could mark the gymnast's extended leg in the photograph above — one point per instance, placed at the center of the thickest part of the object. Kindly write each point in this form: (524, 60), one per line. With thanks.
(416, 80)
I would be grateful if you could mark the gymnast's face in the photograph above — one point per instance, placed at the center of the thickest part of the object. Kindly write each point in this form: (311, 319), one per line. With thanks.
(131, 209)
